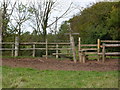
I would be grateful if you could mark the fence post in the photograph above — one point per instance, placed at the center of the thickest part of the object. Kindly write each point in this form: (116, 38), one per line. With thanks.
(56, 50)
(103, 52)
(73, 49)
(12, 50)
(16, 46)
(83, 56)
(33, 50)
(98, 49)
(79, 48)
(46, 49)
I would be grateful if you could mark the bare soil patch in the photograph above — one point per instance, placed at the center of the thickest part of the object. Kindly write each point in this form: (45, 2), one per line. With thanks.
(53, 64)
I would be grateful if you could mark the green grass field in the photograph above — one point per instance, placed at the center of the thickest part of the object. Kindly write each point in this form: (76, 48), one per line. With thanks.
(31, 78)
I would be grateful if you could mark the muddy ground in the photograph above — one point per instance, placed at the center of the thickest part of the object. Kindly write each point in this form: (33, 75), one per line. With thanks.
(53, 64)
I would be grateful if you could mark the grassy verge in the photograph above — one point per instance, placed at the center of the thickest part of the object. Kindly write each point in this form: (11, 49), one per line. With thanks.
(31, 78)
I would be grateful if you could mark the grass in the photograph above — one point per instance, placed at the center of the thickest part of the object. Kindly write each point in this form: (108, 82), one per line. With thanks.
(31, 78)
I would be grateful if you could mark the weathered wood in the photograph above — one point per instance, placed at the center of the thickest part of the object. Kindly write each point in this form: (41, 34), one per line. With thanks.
(88, 45)
(57, 51)
(16, 46)
(82, 58)
(110, 41)
(12, 54)
(60, 43)
(30, 43)
(79, 48)
(7, 43)
(62, 53)
(46, 49)
(90, 52)
(112, 45)
(73, 48)
(89, 49)
(98, 49)
(103, 51)
(111, 53)
(42, 43)
(33, 50)
(7, 49)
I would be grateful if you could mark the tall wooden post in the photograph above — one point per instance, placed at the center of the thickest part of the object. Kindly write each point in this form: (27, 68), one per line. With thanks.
(103, 52)
(33, 50)
(56, 50)
(79, 48)
(72, 42)
(98, 49)
(46, 49)
(16, 46)
(73, 48)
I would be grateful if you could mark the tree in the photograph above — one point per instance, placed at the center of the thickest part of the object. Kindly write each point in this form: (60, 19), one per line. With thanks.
(63, 29)
(20, 16)
(7, 11)
(0, 28)
(92, 24)
(113, 21)
(42, 12)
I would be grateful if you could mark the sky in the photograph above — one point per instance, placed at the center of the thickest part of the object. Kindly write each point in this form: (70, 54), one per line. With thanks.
(62, 6)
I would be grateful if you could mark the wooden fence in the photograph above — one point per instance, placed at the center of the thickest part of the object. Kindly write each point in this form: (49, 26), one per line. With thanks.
(109, 44)
(84, 50)
(47, 46)
(97, 49)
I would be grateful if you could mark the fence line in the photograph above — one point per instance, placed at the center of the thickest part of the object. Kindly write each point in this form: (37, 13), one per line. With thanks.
(48, 46)
(83, 49)
(86, 49)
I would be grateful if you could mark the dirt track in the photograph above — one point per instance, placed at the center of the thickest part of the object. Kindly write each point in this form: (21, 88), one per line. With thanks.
(53, 64)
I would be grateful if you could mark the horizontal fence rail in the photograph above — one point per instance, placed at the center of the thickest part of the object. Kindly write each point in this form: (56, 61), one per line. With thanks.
(112, 45)
(110, 41)
(88, 45)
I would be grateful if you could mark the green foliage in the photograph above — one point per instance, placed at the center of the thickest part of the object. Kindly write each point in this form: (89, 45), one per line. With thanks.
(31, 78)
(63, 29)
(98, 21)
(113, 22)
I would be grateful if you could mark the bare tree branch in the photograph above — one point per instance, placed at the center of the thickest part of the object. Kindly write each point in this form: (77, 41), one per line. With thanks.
(60, 16)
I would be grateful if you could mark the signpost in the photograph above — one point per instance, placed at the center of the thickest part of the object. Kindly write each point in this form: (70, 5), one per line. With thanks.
(72, 42)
